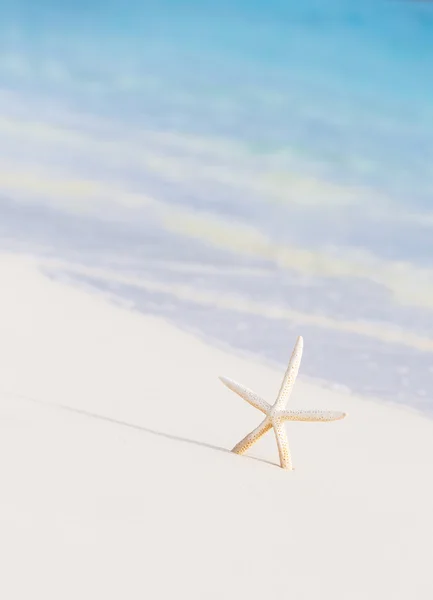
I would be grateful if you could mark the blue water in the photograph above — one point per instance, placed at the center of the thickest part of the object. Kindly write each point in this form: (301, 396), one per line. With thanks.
(248, 170)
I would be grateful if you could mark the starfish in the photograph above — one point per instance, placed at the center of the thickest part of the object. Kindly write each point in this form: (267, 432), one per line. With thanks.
(276, 415)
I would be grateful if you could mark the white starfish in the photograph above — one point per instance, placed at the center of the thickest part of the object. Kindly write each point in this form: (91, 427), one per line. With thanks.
(275, 414)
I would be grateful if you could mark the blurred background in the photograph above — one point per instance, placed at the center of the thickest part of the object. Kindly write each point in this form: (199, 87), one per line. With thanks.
(250, 170)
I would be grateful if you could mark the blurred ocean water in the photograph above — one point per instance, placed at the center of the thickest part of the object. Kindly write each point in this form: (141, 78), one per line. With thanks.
(248, 170)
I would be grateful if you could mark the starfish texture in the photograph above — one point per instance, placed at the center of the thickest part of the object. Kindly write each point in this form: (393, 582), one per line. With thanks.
(276, 415)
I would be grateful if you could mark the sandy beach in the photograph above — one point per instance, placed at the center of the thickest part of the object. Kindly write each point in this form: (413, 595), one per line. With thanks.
(117, 480)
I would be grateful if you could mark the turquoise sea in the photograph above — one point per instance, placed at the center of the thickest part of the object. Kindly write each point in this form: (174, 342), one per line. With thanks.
(249, 170)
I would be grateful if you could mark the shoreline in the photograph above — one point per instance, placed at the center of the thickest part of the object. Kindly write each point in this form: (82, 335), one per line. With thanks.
(129, 476)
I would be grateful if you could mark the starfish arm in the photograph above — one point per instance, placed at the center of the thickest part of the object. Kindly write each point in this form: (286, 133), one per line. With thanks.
(248, 395)
(252, 437)
(283, 446)
(311, 415)
(290, 375)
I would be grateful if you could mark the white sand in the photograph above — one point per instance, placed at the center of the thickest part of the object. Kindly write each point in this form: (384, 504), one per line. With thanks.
(91, 509)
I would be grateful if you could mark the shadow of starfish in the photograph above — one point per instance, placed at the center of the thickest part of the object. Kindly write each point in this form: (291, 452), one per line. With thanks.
(92, 415)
